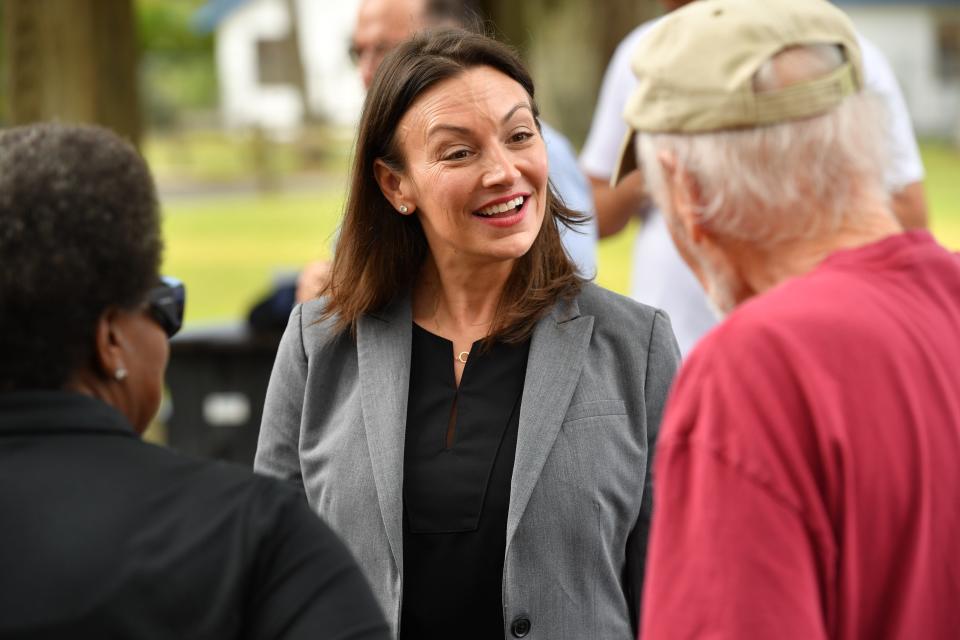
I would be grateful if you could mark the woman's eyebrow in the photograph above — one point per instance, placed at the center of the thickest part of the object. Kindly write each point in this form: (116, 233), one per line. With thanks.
(516, 107)
(438, 128)
(441, 127)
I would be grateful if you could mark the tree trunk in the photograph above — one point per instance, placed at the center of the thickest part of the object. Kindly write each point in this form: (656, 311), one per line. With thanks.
(72, 61)
(567, 45)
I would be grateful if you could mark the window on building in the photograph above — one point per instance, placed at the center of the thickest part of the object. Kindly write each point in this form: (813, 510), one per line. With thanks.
(275, 62)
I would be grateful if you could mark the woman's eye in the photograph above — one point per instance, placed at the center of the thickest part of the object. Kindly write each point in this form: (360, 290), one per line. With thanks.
(521, 136)
(459, 154)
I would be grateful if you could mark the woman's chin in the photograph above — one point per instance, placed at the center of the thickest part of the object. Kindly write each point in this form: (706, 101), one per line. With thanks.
(512, 246)
(507, 249)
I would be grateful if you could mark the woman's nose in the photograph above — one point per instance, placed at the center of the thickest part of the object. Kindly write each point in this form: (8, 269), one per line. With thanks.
(500, 169)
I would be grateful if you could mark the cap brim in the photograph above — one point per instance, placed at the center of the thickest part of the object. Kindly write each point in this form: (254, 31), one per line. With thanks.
(626, 160)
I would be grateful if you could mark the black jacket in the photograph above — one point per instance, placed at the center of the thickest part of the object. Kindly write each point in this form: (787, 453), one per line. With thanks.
(105, 536)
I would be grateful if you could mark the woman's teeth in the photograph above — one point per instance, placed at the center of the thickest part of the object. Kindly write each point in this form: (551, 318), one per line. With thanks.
(503, 207)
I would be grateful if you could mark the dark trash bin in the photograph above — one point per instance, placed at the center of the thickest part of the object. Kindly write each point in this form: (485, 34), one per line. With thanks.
(217, 379)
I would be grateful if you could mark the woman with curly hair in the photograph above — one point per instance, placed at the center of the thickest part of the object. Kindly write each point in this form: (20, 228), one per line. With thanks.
(105, 536)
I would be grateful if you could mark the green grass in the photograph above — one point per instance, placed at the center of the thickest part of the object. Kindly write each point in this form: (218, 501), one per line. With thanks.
(213, 157)
(229, 249)
(942, 163)
(218, 157)
(613, 260)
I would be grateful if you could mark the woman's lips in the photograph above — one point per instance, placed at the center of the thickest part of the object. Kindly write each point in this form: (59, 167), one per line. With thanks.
(506, 218)
(503, 205)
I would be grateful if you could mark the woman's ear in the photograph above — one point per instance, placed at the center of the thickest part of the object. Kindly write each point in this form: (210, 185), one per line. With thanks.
(109, 354)
(392, 186)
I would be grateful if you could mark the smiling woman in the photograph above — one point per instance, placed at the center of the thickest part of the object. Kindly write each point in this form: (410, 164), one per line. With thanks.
(446, 136)
(476, 171)
(468, 151)
(471, 415)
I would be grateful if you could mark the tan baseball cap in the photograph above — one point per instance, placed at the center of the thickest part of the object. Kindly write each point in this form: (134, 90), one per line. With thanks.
(695, 68)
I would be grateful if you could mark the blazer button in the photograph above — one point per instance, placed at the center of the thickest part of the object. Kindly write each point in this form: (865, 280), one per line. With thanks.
(520, 627)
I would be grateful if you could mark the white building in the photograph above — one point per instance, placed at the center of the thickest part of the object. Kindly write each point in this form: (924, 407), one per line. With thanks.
(257, 76)
(922, 42)
(920, 38)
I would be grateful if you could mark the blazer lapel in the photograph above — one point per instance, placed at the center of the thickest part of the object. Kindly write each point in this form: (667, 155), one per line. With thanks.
(557, 350)
(383, 354)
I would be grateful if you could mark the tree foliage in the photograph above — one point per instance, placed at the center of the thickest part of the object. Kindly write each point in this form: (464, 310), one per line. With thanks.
(177, 71)
(165, 29)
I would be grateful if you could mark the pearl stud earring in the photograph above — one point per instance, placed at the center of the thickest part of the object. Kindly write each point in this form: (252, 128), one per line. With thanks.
(120, 374)
(403, 208)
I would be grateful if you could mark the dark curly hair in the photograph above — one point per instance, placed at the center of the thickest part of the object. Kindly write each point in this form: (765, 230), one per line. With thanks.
(79, 233)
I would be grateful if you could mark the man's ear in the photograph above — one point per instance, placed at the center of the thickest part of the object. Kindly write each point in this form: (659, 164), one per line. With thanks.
(392, 186)
(109, 355)
(685, 196)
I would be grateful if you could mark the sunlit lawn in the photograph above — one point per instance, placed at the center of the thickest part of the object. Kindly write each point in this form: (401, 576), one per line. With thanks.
(215, 157)
(229, 249)
(942, 163)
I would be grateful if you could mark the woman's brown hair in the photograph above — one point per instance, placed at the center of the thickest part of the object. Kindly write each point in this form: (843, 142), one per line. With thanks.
(380, 252)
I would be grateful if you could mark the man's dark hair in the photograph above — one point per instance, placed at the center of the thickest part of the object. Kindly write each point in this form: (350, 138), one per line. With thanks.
(79, 233)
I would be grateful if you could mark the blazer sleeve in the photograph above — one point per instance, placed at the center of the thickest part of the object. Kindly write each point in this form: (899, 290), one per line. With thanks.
(663, 359)
(278, 450)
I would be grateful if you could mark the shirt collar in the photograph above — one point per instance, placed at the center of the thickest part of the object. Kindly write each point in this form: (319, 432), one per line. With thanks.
(883, 249)
(38, 412)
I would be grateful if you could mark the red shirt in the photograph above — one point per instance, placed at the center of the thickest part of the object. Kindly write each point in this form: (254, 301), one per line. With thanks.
(807, 477)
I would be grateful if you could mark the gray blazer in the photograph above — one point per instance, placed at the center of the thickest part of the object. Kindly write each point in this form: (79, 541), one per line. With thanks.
(597, 377)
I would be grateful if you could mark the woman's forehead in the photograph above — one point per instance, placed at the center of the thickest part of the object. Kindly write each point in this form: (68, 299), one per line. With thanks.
(479, 94)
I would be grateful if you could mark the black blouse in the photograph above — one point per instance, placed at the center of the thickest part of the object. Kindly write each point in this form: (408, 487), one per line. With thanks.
(458, 461)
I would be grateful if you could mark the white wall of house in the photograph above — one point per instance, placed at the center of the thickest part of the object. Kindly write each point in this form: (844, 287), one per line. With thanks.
(333, 87)
(333, 82)
(908, 36)
(243, 100)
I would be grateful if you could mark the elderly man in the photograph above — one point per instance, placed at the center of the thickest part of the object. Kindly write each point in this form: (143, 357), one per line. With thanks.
(381, 26)
(658, 275)
(807, 476)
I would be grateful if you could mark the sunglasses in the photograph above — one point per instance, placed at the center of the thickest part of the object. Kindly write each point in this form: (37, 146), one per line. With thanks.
(165, 304)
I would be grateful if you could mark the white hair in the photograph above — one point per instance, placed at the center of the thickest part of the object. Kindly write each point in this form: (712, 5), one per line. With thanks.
(777, 183)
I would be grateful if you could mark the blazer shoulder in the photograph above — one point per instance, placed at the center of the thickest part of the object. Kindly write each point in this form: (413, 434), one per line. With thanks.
(196, 477)
(623, 320)
(613, 310)
(311, 312)
(316, 331)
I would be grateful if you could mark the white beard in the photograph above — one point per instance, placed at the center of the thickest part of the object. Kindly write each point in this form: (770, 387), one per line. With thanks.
(720, 296)
(721, 282)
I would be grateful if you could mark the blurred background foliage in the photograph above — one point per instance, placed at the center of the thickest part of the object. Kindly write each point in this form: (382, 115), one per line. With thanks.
(177, 69)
